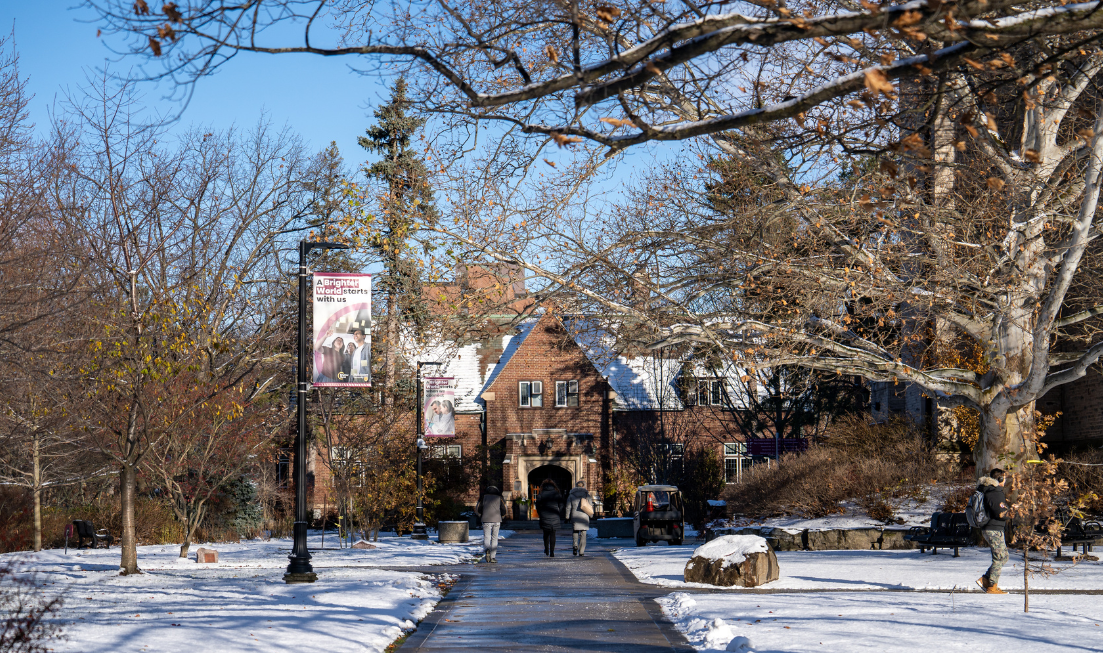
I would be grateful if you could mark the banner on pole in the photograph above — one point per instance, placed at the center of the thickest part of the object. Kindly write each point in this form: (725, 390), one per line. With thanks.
(342, 330)
(440, 406)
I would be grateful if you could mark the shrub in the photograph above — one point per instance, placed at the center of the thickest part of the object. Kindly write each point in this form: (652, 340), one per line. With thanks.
(1086, 479)
(956, 499)
(856, 460)
(25, 611)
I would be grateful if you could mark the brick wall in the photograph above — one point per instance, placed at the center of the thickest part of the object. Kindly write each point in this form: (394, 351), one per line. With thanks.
(548, 354)
(1081, 406)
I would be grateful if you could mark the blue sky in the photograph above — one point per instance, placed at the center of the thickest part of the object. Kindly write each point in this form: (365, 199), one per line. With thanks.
(321, 99)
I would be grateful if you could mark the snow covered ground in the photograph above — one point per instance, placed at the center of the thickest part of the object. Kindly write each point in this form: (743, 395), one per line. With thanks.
(867, 570)
(887, 621)
(241, 603)
(836, 618)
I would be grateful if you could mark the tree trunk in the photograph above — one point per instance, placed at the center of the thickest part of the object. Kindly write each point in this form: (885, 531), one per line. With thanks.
(392, 342)
(36, 490)
(128, 489)
(1004, 440)
(1026, 580)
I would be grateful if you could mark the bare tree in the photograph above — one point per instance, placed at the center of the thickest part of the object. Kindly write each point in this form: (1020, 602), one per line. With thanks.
(185, 248)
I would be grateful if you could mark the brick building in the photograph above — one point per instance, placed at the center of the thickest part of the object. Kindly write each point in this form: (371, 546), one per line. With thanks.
(537, 399)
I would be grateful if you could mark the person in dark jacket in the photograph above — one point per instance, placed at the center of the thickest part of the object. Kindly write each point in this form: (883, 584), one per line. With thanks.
(549, 507)
(580, 521)
(491, 510)
(993, 531)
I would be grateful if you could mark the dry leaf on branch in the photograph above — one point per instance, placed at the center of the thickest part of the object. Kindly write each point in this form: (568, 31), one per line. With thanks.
(607, 13)
(563, 140)
(618, 122)
(995, 183)
(169, 9)
(653, 69)
(552, 54)
(141, 8)
(155, 46)
(878, 83)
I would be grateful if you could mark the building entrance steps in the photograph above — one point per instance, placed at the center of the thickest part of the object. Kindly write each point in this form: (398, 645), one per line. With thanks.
(529, 602)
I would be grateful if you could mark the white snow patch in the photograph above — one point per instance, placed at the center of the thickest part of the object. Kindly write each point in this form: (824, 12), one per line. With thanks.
(241, 603)
(732, 549)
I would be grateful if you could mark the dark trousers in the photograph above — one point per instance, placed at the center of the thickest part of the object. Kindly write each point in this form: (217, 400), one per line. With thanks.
(549, 541)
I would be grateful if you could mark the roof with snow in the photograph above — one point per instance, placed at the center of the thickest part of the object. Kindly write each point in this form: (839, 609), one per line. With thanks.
(472, 372)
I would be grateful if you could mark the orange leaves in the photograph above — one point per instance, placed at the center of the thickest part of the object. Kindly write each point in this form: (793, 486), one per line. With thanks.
(914, 143)
(552, 54)
(653, 69)
(606, 14)
(155, 46)
(562, 140)
(618, 122)
(141, 8)
(877, 82)
(871, 7)
(1032, 156)
(995, 183)
(889, 168)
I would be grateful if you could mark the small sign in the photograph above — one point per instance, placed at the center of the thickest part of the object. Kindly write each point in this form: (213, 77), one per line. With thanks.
(440, 406)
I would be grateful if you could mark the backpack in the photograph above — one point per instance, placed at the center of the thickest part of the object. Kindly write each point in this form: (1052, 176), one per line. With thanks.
(975, 512)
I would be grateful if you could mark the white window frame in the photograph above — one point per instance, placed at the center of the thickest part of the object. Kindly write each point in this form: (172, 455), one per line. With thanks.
(713, 392)
(530, 394)
(564, 392)
(735, 452)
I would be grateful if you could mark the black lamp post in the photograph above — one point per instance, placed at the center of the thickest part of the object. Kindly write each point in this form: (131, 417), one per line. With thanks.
(299, 569)
(420, 532)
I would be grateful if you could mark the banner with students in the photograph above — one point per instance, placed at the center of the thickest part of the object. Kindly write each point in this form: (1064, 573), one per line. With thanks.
(342, 330)
(439, 394)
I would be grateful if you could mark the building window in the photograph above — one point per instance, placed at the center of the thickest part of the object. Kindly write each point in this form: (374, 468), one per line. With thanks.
(446, 451)
(735, 461)
(675, 450)
(566, 393)
(283, 468)
(531, 394)
(710, 392)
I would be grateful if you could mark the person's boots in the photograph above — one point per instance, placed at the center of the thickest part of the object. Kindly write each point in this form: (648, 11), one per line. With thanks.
(983, 582)
(576, 550)
(994, 588)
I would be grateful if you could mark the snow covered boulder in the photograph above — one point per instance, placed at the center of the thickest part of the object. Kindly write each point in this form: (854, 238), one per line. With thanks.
(733, 560)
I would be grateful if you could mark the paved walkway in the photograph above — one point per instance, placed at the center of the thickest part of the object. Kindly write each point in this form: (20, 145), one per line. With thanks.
(528, 602)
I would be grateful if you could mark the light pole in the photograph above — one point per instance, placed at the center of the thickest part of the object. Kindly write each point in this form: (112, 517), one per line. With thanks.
(419, 527)
(299, 569)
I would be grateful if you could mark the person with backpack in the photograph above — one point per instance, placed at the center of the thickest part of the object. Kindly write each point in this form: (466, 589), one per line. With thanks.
(549, 507)
(491, 509)
(985, 511)
(579, 512)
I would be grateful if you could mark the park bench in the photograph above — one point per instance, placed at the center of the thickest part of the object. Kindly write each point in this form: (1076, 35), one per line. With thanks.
(1077, 532)
(86, 531)
(947, 530)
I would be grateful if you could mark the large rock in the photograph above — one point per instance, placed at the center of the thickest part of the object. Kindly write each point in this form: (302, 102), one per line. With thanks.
(733, 560)
(452, 532)
(843, 539)
(208, 556)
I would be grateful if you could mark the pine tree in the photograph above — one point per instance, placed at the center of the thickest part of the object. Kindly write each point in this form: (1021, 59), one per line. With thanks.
(407, 203)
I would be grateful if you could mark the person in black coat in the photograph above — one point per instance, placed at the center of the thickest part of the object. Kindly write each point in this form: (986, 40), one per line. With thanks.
(549, 507)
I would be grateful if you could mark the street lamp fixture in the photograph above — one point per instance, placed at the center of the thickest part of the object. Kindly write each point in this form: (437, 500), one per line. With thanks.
(299, 569)
(420, 532)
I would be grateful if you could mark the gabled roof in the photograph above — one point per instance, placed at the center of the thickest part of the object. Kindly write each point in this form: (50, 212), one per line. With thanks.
(467, 364)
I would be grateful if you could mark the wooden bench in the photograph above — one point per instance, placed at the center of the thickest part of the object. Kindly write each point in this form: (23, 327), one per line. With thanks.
(86, 531)
(947, 530)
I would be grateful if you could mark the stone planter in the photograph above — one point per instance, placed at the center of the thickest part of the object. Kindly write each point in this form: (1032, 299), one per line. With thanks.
(452, 532)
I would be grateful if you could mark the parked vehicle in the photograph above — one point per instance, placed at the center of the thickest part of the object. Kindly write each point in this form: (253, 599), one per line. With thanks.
(658, 514)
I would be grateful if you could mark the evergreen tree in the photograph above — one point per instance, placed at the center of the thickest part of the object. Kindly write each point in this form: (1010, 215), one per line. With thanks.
(407, 202)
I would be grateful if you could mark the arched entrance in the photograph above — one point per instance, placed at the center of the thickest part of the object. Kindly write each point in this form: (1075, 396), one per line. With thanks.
(562, 477)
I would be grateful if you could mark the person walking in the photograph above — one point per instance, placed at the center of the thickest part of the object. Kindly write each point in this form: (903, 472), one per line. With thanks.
(491, 510)
(993, 530)
(549, 508)
(579, 512)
